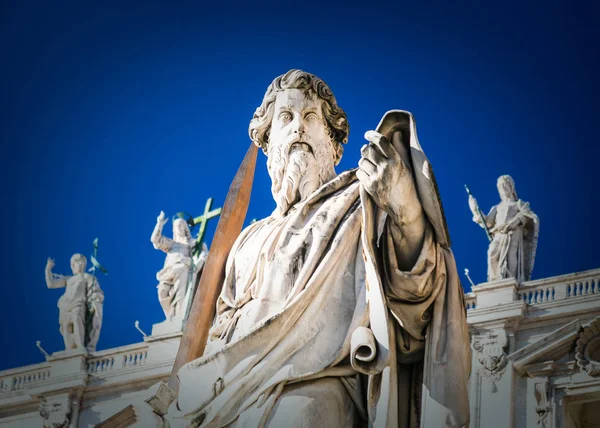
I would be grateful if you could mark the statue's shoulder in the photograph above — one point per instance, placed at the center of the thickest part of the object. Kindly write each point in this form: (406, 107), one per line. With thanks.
(523, 205)
(90, 278)
(257, 224)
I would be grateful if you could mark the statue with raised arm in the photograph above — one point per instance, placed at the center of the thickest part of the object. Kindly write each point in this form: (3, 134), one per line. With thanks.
(180, 268)
(80, 307)
(513, 229)
(343, 308)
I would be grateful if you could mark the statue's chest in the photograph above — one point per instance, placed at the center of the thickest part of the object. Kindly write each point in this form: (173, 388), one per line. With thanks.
(273, 258)
(177, 253)
(76, 288)
(506, 211)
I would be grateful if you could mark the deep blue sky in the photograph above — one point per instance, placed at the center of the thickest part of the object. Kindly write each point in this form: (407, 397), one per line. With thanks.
(112, 113)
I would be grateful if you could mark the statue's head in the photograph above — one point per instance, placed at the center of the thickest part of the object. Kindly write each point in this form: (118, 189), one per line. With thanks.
(506, 188)
(78, 263)
(181, 231)
(301, 129)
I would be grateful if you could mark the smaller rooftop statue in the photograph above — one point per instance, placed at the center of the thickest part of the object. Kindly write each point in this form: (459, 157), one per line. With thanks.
(513, 232)
(80, 307)
(180, 268)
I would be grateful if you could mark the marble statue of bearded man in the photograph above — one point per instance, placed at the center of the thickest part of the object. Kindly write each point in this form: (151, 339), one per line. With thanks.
(343, 307)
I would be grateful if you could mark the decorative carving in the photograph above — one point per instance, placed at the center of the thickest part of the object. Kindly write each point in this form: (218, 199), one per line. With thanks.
(491, 355)
(587, 350)
(55, 413)
(542, 407)
(161, 399)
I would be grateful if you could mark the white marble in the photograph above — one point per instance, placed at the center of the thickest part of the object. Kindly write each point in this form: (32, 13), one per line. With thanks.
(533, 365)
(295, 288)
(180, 268)
(542, 339)
(80, 307)
(56, 412)
(514, 228)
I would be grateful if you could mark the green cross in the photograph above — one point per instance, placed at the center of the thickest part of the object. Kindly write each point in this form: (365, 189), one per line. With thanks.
(203, 219)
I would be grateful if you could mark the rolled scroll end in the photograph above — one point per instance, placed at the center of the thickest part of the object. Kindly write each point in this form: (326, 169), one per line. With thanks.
(363, 352)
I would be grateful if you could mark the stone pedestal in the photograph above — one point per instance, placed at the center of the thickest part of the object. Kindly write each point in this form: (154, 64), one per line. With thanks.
(167, 327)
(496, 293)
(68, 363)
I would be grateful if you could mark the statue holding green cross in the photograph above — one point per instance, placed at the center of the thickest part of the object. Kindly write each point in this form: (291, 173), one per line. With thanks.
(184, 261)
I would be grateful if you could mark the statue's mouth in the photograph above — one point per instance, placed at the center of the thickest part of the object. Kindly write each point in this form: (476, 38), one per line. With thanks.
(300, 146)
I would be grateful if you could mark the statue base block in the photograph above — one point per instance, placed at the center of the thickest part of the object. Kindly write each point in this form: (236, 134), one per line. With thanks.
(168, 327)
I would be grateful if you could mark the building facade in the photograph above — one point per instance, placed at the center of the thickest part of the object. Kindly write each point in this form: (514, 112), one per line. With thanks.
(536, 363)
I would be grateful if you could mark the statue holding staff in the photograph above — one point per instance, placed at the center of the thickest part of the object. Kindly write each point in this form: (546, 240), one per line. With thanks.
(513, 229)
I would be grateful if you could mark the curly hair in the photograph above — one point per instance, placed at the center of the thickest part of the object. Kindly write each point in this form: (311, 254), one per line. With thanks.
(335, 117)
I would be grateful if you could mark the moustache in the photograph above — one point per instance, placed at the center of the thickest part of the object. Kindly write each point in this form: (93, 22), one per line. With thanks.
(294, 143)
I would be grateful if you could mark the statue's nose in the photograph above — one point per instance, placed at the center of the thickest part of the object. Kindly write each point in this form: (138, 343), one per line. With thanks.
(298, 126)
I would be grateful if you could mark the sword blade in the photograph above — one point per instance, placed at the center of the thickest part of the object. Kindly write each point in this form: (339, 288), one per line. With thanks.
(195, 333)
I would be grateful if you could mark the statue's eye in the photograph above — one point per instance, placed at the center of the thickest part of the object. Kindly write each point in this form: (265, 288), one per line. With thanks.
(285, 117)
(310, 117)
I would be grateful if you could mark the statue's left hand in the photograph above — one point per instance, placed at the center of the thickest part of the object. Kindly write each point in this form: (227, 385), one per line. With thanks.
(387, 177)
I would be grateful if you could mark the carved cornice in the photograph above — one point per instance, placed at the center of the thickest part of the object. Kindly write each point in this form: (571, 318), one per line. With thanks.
(508, 315)
(545, 350)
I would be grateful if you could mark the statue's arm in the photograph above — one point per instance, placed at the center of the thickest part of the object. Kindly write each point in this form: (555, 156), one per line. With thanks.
(490, 218)
(385, 172)
(95, 295)
(159, 241)
(94, 291)
(54, 280)
(408, 239)
(479, 217)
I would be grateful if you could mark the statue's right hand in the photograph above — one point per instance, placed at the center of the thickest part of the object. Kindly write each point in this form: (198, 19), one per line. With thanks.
(161, 218)
(49, 264)
(473, 204)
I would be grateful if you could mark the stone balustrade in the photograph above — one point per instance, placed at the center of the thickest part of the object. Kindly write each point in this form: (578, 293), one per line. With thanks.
(97, 364)
(117, 359)
(23, 377)
(549, 289)
(471, 300)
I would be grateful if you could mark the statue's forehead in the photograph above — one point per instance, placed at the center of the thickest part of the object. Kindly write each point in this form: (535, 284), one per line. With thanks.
(296, 98)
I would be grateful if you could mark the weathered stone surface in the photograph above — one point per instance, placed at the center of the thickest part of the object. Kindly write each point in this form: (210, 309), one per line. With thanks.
(180, 268)
(513, 229)
(80, 316)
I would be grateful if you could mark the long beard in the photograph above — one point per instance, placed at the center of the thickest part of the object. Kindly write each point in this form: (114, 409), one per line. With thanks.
(295, 178)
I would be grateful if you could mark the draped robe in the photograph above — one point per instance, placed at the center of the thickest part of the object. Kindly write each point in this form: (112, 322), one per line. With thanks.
(173, 277)
(305, 293)
(511, 254)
